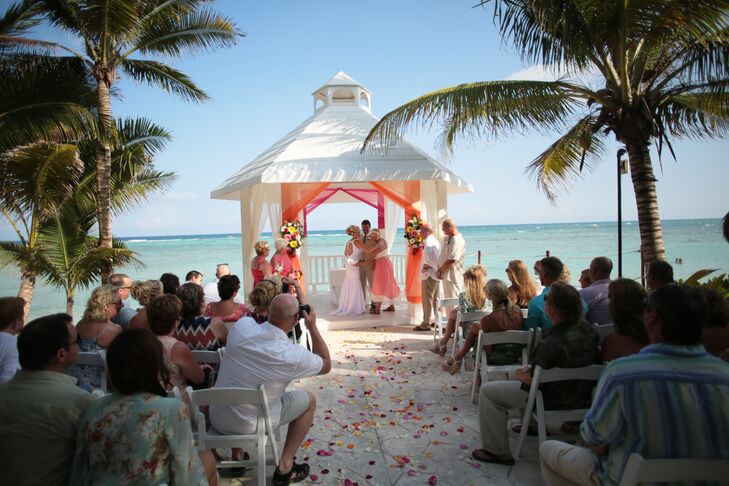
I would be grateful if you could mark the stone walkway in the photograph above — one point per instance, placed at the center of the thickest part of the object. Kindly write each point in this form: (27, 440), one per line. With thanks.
(388, 414)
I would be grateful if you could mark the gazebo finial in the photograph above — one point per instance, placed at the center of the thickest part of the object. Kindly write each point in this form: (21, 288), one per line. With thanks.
(342, 90)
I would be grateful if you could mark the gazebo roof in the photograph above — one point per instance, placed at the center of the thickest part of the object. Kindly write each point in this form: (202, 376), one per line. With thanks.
(326, 148)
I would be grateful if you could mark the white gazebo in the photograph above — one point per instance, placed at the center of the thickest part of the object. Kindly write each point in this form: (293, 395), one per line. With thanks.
(321, 161)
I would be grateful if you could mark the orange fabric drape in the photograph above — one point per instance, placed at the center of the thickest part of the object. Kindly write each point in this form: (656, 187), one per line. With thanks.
(294, 198)
(407, 199)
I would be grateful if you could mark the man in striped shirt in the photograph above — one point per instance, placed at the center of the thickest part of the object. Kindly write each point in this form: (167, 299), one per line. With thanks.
(668, 401)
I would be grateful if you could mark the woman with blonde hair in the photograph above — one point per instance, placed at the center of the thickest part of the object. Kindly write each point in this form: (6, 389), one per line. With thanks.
(505, 316)
(384, 284)
(96, 331)
(522, 288)
(472, 299)
(143, 292)
(351, 298)
(260, 268)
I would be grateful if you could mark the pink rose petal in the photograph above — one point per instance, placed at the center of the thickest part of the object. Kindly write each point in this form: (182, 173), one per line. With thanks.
(464, 446)
(313, 477)
(432, 481)
(322, 452)
(411, 472)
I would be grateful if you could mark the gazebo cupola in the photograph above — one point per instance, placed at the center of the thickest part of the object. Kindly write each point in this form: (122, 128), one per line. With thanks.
(342, 90)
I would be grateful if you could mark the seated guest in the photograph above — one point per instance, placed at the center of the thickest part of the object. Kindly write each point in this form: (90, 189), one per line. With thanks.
(164, 314)
(473, 298)
(596, 295)
(664, 402)
(139, 435)
(260, 268)
(261, 296)
(227, 308)
(170, 283)
(505, 316)
(125, 314)
(280, 261)
(627, 304)
(11, 322)
(144, 291)
(570, 343)
(193, 276)
(96, 331)
(522, 288)
(195, 330)
(585, 278)
(565, 276)
(263, 355)
(715, 334)
(659, 273)
(41, 407)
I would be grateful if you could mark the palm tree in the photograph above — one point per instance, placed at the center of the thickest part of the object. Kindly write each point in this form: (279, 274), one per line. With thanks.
(115, 33)
(663, 69)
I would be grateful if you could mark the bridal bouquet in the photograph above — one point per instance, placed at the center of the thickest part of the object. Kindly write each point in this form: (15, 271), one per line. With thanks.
(293, 232)
(412, 234)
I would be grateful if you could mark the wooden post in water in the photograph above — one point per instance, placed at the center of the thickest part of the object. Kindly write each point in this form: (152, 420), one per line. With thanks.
(548, 253)
(479, 257)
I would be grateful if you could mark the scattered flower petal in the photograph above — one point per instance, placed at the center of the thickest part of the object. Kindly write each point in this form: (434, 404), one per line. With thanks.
(432, 481)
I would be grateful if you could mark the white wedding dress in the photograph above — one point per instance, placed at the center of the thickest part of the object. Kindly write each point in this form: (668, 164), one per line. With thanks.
(351, 298)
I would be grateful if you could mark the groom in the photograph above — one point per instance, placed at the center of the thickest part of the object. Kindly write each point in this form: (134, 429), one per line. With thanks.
(366, 265)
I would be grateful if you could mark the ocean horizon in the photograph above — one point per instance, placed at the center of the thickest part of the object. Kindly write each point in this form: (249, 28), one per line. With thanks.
(697, 243)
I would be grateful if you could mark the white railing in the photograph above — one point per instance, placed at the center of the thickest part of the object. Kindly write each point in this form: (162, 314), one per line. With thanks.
(317, 273)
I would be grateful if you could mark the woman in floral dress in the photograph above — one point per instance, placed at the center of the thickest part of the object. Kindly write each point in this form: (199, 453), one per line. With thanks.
(138, 436)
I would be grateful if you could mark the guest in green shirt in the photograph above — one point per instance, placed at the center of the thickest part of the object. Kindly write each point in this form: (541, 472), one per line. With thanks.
(40, 408)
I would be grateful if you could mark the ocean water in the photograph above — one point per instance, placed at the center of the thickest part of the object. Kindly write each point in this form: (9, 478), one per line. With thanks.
(698, 243)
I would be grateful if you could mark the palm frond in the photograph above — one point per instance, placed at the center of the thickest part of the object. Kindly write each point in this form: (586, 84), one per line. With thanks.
(143, 133)
(490, 108)
(661, 22)
(130, 193)
(166, 77)
(563, 160)
(695, 114)
(18, 19)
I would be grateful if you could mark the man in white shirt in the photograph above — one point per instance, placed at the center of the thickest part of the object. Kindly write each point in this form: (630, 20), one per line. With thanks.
(211, 289)
(428, 281)
(450, 263)
(263, 355)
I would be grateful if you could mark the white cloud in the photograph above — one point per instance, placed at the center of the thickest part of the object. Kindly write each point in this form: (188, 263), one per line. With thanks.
(543, 72)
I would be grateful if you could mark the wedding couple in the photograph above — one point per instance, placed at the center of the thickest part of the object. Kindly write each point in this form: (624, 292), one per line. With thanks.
(367, 262)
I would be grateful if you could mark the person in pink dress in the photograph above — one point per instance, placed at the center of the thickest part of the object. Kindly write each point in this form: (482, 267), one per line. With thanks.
(260, 268)
(384, 284)
(227, 309)
(280, 261)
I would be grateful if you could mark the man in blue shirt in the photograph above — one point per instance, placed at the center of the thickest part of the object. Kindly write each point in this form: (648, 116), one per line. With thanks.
(550, 269)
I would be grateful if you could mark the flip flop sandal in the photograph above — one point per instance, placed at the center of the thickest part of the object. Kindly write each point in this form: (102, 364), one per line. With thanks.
(298, 472)
(483, 455)
(390, 309)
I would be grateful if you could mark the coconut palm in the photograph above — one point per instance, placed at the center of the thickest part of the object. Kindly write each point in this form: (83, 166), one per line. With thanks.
(663, 70)
(115, 33)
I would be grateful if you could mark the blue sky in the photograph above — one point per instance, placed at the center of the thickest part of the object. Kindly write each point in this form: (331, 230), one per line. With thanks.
(398, 50)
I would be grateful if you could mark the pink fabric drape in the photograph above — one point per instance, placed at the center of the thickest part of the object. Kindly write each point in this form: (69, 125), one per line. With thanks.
(371, 197)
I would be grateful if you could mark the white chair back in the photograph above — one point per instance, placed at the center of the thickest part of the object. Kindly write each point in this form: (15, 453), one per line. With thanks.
(209, 439)
(440, 319)
(604, 329)
(639, 470)
(483, 369)
(459, 336)
(205, 356)
(95, 358)
(524, 313)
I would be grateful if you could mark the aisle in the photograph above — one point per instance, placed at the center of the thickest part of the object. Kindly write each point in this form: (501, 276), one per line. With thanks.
(388, 415)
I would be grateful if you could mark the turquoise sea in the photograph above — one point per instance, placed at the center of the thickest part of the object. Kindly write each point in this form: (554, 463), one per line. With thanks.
(698, 242)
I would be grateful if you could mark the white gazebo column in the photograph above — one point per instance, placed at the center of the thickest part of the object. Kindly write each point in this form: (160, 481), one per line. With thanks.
(246, 223)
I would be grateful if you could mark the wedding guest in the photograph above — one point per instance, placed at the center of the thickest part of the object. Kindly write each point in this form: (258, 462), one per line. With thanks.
(227, 308)
(596, 295)
(550, 272)
(384, 284)
(367, 264)
(261, 296)
(429, 287)
(41, 407)
(505, 316)
(194, 329)
(126, 312)
(96, 331)
(626, 306)
(522, 288)
(566, 274)
(195, 277)
(584, 278)
(281, 261)
(144, 291)
(170, 283)
(450, 265)
(659, 273)
(472, 298)
(137, 434)
(211, 289)
(260, 268)
(715, 334)
(11, 322)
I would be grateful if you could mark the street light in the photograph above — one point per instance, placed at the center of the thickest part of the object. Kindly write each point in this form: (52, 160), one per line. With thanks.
(622, 169)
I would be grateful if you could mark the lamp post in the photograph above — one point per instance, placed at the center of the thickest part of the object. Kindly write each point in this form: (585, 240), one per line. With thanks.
(622, 169)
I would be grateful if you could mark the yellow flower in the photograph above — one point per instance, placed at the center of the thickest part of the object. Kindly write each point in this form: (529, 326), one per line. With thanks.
(293, 244)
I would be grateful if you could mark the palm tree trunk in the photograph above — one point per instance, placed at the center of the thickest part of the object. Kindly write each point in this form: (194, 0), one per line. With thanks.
(103, 173)
(644, 185)
(69, 302)
(27, 285)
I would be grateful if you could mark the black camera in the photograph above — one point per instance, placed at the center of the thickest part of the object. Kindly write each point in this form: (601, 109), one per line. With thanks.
(285, 288)
(304, 308)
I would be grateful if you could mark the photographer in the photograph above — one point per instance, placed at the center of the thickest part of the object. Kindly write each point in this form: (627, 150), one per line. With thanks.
(263, 355)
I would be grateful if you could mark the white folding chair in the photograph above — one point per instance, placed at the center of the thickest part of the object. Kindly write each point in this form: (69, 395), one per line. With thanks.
(205, 356)
(95, 358)
(639, 470)
(541, 376)
(264, 435)
(524, 313)
(483, 369)
(604, 329)
(458, 333)
(440, 320)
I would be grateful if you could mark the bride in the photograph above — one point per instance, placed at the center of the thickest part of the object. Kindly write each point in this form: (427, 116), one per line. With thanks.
(351, 298)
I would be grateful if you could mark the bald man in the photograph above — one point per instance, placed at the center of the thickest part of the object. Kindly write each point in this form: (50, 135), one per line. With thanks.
(263, 355)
